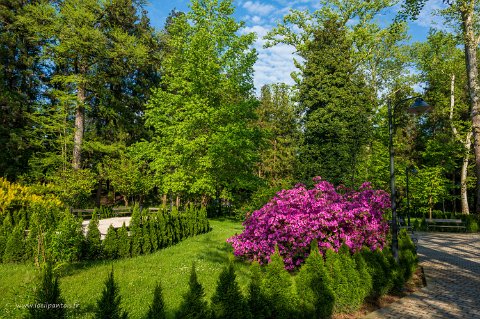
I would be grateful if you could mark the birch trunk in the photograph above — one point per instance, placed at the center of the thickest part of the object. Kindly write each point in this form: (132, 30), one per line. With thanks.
(79, 128)
(471, 43)
(467, 144)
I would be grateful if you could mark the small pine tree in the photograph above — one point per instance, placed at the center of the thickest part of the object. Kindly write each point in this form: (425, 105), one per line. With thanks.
(256, 300)
(68, 240)
(278, 288)
(108, 306)
(123, 242)
(48, 294)
(339, 281)
(354, 295)
(153, 222)
(157, 308)
(364, 276)
(314, 287)
(194, 305)
(110, 243)
(228, 301)
(379, 269)
(93, 239)
(147, 243)
(15, 245)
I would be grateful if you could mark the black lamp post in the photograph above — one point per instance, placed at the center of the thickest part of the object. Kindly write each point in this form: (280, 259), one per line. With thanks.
(407, 171)
(418, 106)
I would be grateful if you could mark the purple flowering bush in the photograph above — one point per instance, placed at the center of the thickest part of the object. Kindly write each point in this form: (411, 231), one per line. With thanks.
(295, 217)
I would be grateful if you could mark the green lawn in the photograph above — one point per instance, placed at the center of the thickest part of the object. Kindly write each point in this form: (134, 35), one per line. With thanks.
(82, 283)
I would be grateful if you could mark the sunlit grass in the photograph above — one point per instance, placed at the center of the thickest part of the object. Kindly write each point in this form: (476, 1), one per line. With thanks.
(82, 283)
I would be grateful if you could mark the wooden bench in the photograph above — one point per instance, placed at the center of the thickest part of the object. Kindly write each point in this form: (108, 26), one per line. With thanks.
(446, 224)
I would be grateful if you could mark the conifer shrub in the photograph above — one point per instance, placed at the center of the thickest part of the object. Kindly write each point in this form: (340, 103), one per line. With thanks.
(256, 299)
(354, 292)
(194, 305)
(157, 308)
(228, 301)
(147, 243)
(162, 231)
(333, 263)
(153, 223)
(93, 239)
(314, 287)
(67, 240)
(136, 233)
(123, 242)
(108, 306)
(380, 271)
(278, 288)
(48, 302)
(15, 245)
(366, 283)
(110, 243)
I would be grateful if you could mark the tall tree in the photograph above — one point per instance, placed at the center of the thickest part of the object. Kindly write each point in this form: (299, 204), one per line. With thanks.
(278, 118)
(21, 78)
(442, 66)
(204, 143)
(464, 14)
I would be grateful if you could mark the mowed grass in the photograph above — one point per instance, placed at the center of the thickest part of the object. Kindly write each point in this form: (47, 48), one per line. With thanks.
(82, 283)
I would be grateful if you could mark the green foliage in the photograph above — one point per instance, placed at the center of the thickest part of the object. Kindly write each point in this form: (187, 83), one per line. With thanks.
(157, 308)
(136, 231)
(314, 287)
(471, 223)
(93, 239)
(48, 294)
(203, 140)
(256, 299)
(277, 287)
(407, 256)
(193, 304)
(110, 243)
(153, 230)
(379, 269)
(15, 244)
(365, 279)
(74, 187)
(228, 301)
(146, 243)
(108, 306)
(123, 242)
(67, 240)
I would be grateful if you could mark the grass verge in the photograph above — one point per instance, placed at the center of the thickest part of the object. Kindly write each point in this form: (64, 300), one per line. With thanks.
(82, 283)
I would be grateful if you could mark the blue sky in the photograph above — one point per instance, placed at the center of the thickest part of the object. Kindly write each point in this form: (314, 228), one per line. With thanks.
(276, 64)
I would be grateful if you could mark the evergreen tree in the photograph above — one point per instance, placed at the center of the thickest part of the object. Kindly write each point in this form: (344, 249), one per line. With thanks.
(364, 276)
(108, 306)
(314, 287)
(279, 121)
(278, 288)
(194, 305)
(228, 301)
(68, 239)
(256, 300)
(354, 291)
(146, 243)
(153, 228)
(340, 286)
(47, 293)
(15, 245)
(110, 243)
(136, 231)
(93, 239)
(157, 308)
(123, 242)
(336, 100)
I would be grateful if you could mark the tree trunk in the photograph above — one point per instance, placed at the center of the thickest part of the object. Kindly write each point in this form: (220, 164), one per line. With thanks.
(79, 128)
(466, 151)
(467, 13)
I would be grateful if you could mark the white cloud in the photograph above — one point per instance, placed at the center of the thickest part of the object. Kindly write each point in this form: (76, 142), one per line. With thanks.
(258, 8)
(427, 17)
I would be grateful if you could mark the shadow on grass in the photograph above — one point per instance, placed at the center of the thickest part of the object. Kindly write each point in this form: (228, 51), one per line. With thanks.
(82, 311)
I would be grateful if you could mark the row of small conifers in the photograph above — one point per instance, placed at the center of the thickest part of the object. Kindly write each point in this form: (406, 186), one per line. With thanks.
(57, 236)
(336, 282)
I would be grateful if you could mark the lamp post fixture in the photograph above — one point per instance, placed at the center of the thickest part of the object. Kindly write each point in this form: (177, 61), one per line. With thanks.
(418, 106)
